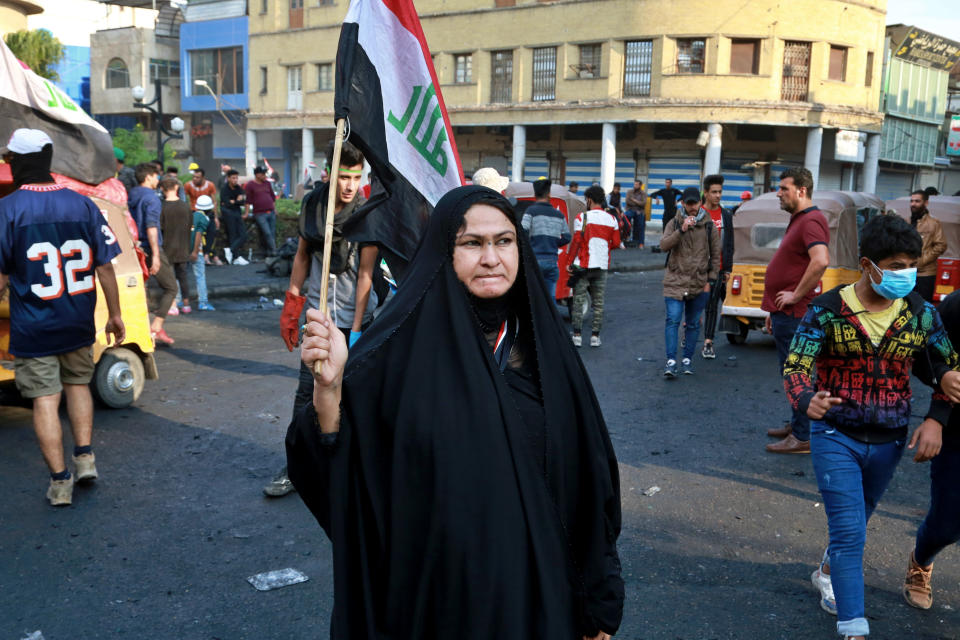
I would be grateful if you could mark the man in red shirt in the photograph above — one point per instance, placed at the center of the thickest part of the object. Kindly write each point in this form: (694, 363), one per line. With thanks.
(789, 285)
(595, 234)
(200, 186)
(260, 199)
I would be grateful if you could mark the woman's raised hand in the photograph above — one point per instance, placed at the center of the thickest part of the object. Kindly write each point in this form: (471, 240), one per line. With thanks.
(324, 343)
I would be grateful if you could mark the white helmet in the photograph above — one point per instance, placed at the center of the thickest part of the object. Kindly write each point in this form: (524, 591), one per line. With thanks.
(204, 203)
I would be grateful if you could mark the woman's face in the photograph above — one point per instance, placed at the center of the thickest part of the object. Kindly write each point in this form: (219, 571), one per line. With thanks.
(485, 252)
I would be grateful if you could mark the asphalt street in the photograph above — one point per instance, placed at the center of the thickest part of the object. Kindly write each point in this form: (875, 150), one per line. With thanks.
(163, 543)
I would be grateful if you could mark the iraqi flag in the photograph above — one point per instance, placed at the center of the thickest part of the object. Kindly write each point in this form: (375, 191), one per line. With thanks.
(387, 87)
(82, 148)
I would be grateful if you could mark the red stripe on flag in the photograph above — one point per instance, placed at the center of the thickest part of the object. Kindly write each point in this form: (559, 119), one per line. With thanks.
(407, 15)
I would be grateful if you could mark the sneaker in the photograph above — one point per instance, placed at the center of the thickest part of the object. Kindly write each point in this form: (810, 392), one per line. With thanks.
(186, 309)
(206, 260)
(687, 367)
(279, 486)
(60, 492)
(217, 262)
(240, 260)
(708, 353)
(594, 341)
(86, 465)
(161, 337)
(173, 311)
(205, 306)
(577, 340)
(228, 254)
(916, 585)
(670, 371)
(821, 582)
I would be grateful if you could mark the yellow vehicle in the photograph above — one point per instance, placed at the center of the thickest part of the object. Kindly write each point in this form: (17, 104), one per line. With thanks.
(121, 370)
(946, 209)
(760, 224)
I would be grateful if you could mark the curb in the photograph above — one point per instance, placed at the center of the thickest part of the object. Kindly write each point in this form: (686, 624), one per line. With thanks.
(269, 290)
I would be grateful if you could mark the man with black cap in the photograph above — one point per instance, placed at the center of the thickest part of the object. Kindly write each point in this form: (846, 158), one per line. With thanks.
(693, 262)
(547, 230)
(260, 200)
(52, 240)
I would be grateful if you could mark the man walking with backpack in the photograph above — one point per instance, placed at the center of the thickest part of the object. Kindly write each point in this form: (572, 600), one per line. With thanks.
(693, 262)
(351, 296)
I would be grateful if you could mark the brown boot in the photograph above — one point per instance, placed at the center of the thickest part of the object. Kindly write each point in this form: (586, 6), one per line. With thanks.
(780, 432)
(916, 585)
(790, 444)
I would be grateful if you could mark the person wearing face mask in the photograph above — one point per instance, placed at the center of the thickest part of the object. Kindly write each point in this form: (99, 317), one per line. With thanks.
(863, 338)
(459, 460)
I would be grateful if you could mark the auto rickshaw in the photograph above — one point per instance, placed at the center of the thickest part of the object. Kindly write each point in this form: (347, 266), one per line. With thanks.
(760, 224)
(570, 206)
(120, 370)
(946, 209)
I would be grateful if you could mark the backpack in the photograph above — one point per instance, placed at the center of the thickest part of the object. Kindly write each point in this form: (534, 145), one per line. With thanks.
(623, 222)
(281, 264)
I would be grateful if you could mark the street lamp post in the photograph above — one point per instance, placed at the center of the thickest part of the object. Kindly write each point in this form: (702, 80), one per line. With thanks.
(216, 102)
(176, 124)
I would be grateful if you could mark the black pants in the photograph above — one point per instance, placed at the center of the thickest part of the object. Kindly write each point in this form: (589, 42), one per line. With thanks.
(184, 274)
(236, 231)
(925, 286)
(210, 246)
(718, 293)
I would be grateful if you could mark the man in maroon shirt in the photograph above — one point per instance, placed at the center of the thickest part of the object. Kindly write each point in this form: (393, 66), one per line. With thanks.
(260, 198)
(789, 285)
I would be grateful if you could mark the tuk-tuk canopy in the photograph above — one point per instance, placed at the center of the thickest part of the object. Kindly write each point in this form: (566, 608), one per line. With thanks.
(946, 209)
(560, 197)
(759, 225)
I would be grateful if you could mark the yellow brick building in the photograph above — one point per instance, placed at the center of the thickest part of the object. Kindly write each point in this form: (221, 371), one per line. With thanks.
(606, 90)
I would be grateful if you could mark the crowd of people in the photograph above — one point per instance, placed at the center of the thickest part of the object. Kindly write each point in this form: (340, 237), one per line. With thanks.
(525, 447)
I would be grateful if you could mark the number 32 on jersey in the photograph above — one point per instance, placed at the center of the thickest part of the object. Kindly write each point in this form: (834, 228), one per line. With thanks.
(63, 274)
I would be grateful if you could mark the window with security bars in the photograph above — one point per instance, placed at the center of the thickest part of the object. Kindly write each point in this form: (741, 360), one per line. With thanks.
(637, 67)
(690, 54)
(545, 73)
(118, 76)
(501, 76)
(166, 71)
(589, 61)
(463, 68)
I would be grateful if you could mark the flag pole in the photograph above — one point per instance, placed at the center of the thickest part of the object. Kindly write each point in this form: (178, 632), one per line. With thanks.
(328, 229)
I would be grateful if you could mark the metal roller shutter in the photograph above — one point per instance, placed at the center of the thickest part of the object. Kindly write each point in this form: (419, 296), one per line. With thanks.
(894, 184)
(683, 170)
(736, 180)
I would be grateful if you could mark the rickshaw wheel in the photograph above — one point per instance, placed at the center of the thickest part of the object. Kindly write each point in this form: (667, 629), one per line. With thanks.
(119, 378)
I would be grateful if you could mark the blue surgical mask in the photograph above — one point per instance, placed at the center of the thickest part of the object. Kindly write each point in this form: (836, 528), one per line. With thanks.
(894, 284)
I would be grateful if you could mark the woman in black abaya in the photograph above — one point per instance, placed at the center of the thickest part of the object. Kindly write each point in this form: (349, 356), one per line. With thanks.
(459, 462)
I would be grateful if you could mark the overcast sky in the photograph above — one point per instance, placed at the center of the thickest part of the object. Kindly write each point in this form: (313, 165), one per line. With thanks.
(936, 16)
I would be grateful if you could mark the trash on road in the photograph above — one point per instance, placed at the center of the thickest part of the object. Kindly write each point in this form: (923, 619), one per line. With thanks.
(278, 303)
(36, 635)
(276, 579)
(652, 491)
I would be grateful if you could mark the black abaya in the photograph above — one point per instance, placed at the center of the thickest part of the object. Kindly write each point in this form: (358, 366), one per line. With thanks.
(445, 518)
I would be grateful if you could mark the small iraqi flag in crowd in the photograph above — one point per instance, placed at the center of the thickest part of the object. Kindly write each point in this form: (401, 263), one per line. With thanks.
(82, 148)
(387, 88)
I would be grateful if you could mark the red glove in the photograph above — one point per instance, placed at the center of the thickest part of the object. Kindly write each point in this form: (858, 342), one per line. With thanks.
(290, 319)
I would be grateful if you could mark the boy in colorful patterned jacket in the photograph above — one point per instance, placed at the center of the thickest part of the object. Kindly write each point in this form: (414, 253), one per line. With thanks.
(863, 339)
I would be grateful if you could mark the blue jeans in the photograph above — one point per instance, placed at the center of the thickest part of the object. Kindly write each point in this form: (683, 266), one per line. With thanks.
(784, 327)
(267, 226)
(550, 273)
(690, 311)
(200, 275)
(852, 477)
(941, 527)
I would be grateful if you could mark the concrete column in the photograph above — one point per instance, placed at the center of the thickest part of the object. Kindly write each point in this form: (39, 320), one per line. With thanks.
(306, 153)
(711, 161)
(519, 152)
(250, 151)
(871, 162)
(608, 157)
(812, 159)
